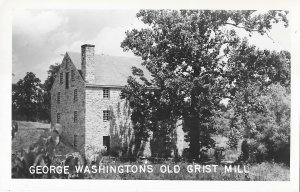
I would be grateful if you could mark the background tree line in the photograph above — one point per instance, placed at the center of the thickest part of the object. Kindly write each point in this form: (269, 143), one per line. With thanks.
(31, 98)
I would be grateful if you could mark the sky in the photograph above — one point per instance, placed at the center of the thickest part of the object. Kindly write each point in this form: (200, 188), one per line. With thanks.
(41, 37)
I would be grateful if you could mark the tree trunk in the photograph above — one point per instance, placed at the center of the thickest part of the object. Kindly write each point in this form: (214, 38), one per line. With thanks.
(194, 133)
(137, 146)
(194, 128)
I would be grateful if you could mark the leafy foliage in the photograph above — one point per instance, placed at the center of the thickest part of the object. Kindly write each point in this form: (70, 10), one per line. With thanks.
(31, 99)
(273, 130)
(186, 52)
(260, 88)
(27, 97)
(52, 72)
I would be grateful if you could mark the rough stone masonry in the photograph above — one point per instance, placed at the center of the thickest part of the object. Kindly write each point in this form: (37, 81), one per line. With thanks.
(85, 101)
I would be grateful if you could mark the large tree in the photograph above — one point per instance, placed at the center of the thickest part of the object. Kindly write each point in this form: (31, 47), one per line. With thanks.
(186, 51)
(260, 98)
(32, 99)
(52, 72)
(149, 113)
(27, 98)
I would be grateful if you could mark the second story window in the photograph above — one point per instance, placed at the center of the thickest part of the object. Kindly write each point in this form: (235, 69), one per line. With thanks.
(106, 93)
(72, 75)
(61, 78)
(106, 115)
(58, 98)
(67, 80)
(75, 95)
(75, 116)
(58, 118)
(67, 64)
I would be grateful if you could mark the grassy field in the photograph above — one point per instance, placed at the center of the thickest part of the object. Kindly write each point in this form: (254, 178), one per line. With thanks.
(28, 134)
(258, 172)
(32, 125)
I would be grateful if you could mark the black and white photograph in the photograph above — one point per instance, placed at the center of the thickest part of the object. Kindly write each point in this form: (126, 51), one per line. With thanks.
(151, 94)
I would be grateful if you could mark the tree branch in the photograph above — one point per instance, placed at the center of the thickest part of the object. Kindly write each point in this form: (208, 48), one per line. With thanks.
(250, 30)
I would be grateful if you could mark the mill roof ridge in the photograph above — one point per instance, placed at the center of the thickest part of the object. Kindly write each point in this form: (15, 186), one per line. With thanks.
(111, 70)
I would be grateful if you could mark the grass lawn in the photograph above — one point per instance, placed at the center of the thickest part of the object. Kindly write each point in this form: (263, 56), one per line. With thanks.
(258, 172)
(32, 125)
(30, 133)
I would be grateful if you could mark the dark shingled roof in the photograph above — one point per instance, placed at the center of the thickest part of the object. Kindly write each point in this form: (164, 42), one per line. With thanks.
(111, 70)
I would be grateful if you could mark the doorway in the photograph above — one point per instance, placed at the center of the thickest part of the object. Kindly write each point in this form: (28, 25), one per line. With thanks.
(106, 142)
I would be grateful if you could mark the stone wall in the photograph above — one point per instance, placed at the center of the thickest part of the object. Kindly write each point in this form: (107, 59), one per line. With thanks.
(67, 105)
(119, 126)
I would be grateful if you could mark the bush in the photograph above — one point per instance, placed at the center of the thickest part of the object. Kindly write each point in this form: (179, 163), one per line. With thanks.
(257, 151)
(116, 151)
(233, 139)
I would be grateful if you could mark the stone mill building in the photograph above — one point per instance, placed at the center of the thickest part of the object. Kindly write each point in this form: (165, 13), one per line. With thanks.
(85, 101)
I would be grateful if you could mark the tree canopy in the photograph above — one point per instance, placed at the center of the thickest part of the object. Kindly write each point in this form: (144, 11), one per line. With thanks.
(27, 97)
(31, 99)
(52, 72)
(196, 60)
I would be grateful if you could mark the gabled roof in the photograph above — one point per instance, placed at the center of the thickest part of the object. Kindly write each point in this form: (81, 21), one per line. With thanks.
(111, 70)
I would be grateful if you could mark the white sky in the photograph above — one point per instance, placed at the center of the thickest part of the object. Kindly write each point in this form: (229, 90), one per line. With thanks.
(40, 37)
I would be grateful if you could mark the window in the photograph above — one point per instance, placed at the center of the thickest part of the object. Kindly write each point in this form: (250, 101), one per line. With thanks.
(67, 80)
(61, 78)
(67, 63)
(105, 92)
(58, 118)
(58, 98)
(75, 140)
(75, 116)
(72, 75)
(75, 95)
(106, 115)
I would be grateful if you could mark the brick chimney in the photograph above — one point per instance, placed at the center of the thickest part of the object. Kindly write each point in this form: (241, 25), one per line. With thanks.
(88, 63)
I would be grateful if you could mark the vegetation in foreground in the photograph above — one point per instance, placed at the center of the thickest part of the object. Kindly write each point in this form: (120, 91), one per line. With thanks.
(36, 138)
